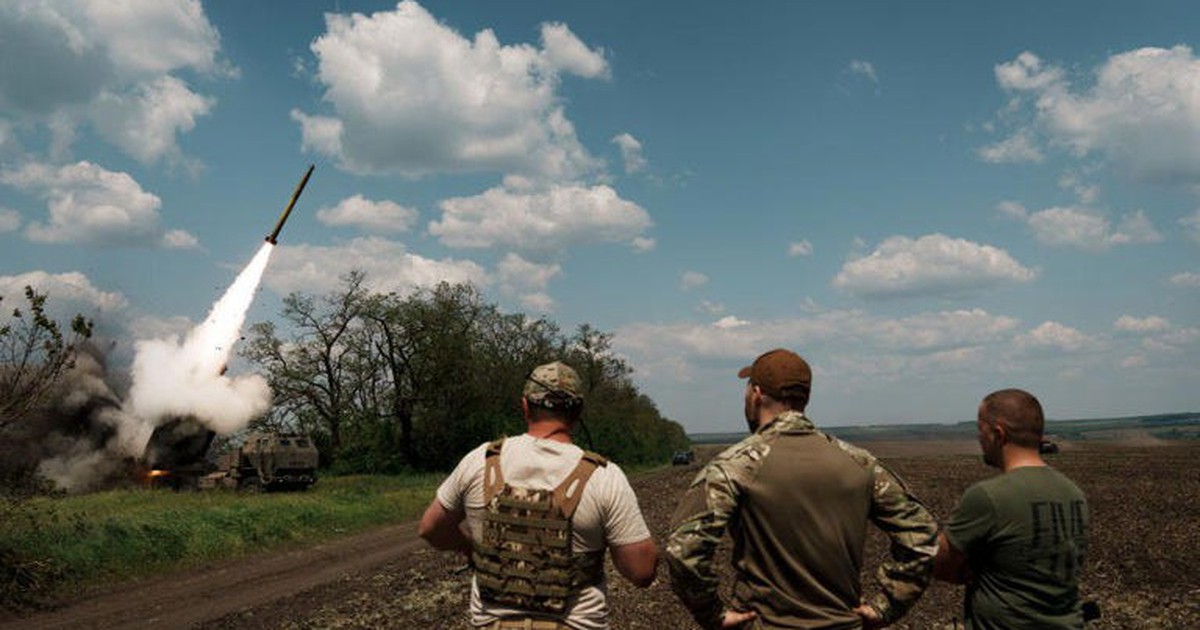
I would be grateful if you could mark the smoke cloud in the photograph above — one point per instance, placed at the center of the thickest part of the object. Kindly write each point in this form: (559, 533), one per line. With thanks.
(87, 438)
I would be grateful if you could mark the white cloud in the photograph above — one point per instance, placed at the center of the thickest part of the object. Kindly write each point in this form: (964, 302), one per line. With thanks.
(1151, 324)
(110, 64)
(864, 69)
(691, 280)
(800, 248)
(179, 239)
(147, 121)
(642, 244)
(730, 321)
(88, 204)
(1053, 336)
(374, 216)
(1186, 279)
(389, 267)
(1019, 147)
(545, 221)
(410, 95)
(66, 292)
(710, 307)
(1089, 230)
(562, 50)
(1191, 225)
(846, 343)
(1142, 112)
(1012, 209)
(1135, 361)
(528, 281)
(631, 152)
(10, 220)
(934, 264)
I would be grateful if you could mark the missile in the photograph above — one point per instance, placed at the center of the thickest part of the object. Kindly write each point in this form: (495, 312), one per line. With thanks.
(274, 235)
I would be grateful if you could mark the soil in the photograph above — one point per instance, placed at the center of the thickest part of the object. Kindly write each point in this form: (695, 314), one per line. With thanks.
(1144, 547)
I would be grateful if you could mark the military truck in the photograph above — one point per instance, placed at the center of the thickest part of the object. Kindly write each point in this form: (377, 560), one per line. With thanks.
(267, 461)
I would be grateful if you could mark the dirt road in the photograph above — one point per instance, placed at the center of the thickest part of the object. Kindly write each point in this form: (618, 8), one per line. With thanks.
(389, 579)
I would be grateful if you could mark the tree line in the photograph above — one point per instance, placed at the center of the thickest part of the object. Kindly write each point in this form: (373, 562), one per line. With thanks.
(385, 382)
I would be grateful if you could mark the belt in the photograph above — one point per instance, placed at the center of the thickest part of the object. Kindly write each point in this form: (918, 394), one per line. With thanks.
(525, 624)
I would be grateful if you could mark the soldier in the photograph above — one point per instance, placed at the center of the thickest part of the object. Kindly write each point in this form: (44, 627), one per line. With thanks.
(1017, 539)
(541, 511)
(797, 503)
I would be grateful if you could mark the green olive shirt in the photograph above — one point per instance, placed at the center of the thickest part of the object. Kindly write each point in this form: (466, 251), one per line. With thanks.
(1024, 533)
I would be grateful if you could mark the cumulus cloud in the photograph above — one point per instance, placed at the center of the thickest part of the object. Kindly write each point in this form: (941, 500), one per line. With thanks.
(388, 265)
(691, 280)
(1088, 229)
(527, 281)
(1140, 112)
(89, 204)
(66, 292)
(374, 216)
(113, 65)
(800, 248)
(631, 152)
(540, 221)
(852, 343)
(1019, 147)
(10, 220)
(179, 239)
(643, 244)
(1153, 323)
(1186, 279)
(1191, 225)
(1053, 336)
(410, 95)
(934, 264)
(864, 69)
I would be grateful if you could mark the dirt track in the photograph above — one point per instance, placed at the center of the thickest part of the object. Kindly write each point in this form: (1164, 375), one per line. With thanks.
(1145, 545)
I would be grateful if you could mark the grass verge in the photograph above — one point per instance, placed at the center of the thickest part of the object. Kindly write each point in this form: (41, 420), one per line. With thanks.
(51, 544)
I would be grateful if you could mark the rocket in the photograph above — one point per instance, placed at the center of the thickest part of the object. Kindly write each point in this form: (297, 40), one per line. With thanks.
(274, 235)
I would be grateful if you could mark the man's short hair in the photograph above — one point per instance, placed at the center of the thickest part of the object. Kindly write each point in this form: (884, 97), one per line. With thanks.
(1021, 414)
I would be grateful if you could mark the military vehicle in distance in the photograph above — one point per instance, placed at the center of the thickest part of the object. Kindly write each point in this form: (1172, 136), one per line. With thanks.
(266, 461)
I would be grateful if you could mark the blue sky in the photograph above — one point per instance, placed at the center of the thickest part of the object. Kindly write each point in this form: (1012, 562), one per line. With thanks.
(928, 201)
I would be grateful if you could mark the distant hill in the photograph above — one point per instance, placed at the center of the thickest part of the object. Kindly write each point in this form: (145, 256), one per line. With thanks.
(1168, 426)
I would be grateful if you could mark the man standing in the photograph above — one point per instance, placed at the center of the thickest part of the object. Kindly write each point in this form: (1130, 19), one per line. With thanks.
(797, 503)
(541, 512)
(1017, 539)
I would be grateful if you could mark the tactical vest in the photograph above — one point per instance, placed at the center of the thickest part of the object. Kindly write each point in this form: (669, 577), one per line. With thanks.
(524, 559)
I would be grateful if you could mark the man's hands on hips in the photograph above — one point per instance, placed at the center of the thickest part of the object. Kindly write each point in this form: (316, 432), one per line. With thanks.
(735, 618)
(870, 617)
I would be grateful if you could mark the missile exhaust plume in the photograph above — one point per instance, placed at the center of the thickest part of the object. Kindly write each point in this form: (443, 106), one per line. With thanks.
(84, 436)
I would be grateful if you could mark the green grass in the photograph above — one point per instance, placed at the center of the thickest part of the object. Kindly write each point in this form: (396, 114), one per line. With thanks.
(47, 544)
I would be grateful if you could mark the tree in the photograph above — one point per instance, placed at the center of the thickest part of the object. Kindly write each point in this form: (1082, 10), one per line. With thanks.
(34, 354)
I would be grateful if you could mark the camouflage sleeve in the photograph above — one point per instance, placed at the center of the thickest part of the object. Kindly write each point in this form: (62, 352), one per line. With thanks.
(913, 533)
(697, 528)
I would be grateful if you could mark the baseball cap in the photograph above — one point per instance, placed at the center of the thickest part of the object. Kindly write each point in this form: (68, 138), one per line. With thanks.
(780, 373)
(553, 385)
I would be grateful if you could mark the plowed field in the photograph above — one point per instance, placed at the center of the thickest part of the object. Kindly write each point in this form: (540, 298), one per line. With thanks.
(1143, 566)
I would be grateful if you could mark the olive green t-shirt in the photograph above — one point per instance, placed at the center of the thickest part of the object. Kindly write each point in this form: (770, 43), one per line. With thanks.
(1024, 534)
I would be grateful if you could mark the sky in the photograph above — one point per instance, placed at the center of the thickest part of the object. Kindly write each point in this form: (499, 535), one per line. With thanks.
(927, 200)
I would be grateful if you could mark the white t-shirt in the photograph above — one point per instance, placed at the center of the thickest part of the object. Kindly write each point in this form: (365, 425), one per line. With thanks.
(607, 514)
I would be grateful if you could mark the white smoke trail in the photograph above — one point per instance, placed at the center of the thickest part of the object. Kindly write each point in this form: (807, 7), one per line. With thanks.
(171, 378)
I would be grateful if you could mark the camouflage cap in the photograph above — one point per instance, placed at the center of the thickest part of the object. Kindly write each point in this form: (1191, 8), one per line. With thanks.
(553, 385)
(780, 373)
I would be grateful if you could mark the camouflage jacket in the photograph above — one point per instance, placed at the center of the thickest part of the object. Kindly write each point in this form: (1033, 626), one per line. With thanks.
(722, 496)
